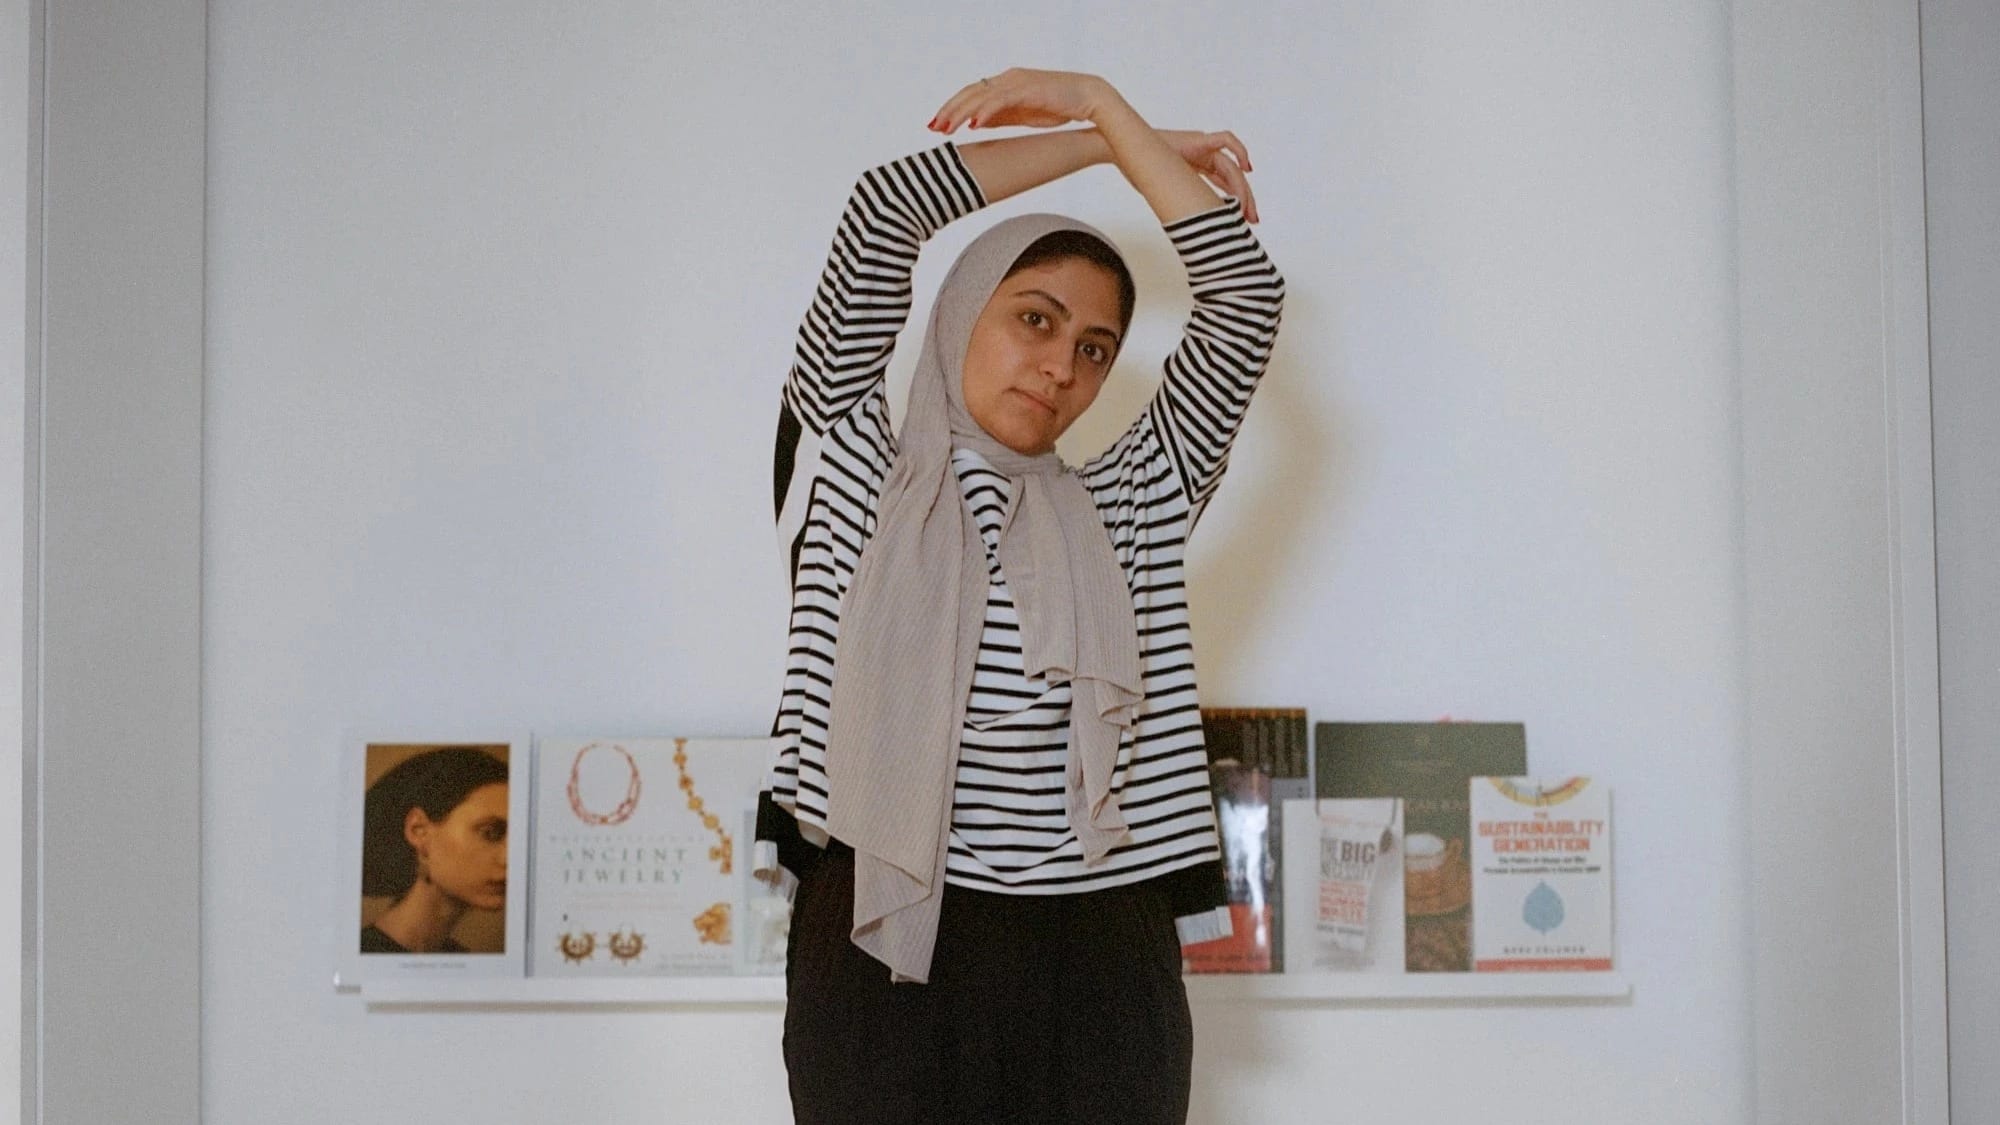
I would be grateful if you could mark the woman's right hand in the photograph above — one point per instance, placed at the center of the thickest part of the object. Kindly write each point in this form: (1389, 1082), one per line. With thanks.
(1019, 95)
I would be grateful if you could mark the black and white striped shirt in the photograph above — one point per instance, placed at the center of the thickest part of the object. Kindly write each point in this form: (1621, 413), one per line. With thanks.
(835, 445)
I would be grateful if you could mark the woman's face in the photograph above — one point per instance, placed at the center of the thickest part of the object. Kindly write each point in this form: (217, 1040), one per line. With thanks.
(1040, 351)
(466, 852)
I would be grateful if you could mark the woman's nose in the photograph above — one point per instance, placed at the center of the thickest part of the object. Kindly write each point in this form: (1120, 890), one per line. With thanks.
(1059, 364)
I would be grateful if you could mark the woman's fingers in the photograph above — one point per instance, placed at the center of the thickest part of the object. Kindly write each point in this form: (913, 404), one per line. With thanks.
(1019, 96)
(1236, 148)
(1235, 181)
(963, 106)
(1225, 140)
(1244, 196)
(978, 103)
(956, 109)
(1241, 184)
(1197, 146)
(975, 111)
(1228, 163)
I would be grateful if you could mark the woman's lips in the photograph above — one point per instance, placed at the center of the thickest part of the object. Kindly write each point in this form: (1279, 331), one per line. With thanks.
(1038, 400)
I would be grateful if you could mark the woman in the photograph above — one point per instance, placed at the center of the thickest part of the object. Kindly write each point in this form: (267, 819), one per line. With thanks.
(990, 795)
(435, 838)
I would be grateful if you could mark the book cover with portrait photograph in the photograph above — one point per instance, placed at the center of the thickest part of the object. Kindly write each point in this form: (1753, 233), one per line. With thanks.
(432, 859)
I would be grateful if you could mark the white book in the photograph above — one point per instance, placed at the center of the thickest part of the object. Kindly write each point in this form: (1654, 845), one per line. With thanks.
(1541, 874)
(1343, 871)
(642, 850)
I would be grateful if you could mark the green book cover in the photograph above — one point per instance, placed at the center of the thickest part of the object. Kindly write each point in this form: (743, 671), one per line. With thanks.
(1429, 766)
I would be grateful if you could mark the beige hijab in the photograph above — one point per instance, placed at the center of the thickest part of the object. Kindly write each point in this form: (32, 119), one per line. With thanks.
(911, 624)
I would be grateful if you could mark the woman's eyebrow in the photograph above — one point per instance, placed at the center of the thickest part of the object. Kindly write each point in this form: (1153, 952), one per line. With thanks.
(1046, 296)
(1064, 310)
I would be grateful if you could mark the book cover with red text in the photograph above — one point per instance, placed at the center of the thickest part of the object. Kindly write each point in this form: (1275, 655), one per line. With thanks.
(1541, 874)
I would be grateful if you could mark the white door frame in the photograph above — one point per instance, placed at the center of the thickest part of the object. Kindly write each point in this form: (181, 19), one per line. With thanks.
(1962, 175)
(111, 727)
(1840, 612)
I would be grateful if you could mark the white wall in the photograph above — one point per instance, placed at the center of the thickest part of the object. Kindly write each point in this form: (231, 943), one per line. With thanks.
(499, 305)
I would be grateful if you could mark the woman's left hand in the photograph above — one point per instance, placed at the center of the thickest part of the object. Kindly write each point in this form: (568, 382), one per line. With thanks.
(1220, 158)
(1039, 99)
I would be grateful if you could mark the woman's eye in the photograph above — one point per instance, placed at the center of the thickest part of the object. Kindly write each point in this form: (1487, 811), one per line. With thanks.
(1034, 319)
(1095, 352)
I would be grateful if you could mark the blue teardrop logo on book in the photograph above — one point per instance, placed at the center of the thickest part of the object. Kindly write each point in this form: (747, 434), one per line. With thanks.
(1544, 908)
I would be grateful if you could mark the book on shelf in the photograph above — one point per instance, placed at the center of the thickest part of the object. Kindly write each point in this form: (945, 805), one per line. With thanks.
(641, 857)
(1343, 886)
(425, 825)
(1541, 874)
(1430, 766)
(1258, 760)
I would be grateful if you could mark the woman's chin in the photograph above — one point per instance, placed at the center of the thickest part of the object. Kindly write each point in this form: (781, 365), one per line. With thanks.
(486, 901)
(1028, 441)
(1018, 424)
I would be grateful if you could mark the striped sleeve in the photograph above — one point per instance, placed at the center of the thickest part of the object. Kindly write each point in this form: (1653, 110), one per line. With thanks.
(834, 444)
(1224, 349)
(863, 297)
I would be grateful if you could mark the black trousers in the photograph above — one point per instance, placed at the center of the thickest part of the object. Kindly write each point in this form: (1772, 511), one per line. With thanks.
(1040, 1010)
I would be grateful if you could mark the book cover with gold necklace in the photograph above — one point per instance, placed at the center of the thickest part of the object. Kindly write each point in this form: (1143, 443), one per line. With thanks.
(639, 854)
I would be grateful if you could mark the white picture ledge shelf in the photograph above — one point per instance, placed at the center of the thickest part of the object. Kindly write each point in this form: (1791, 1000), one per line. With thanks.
(769, 992)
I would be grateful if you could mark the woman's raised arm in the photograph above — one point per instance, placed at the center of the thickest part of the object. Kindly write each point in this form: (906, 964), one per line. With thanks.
(863, 297)
(1173, 171)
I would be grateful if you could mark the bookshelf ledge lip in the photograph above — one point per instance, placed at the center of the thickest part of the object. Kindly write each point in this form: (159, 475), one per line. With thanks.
(1367, 988)
(1329, 989)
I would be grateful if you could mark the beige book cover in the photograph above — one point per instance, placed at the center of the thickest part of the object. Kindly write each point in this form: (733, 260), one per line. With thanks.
(641, 848)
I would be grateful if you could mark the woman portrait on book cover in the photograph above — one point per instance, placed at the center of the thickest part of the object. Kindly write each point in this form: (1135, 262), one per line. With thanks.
(434, 844)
